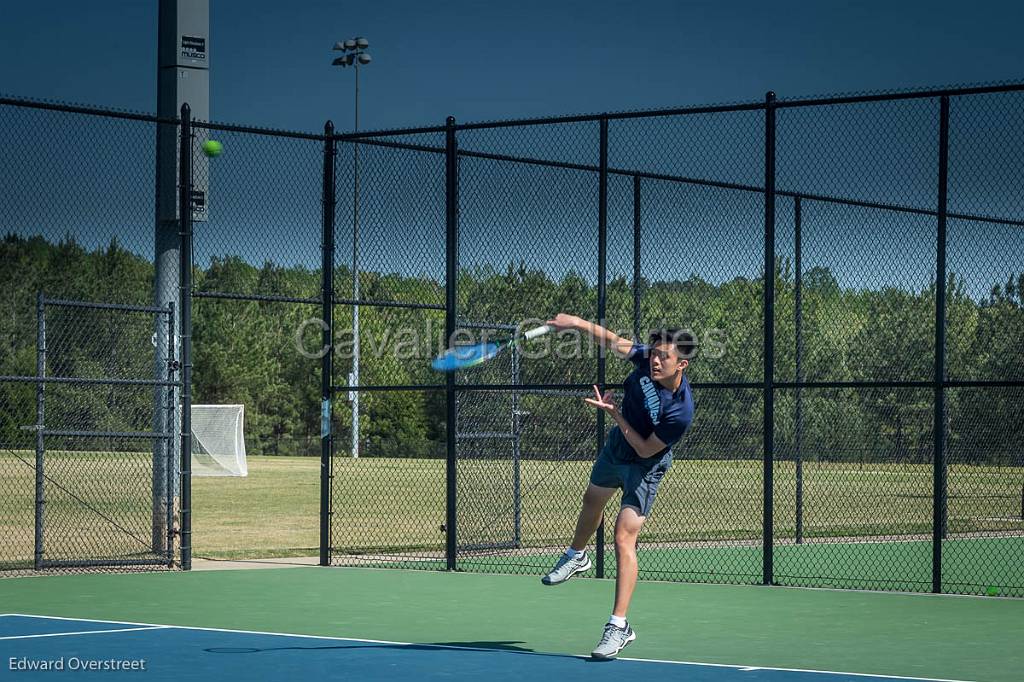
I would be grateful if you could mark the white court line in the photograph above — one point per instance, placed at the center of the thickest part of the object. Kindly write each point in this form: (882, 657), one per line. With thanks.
(795, 670)
(82, 632)
(156, 626)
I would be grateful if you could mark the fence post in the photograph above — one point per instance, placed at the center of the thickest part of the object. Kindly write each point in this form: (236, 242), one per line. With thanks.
(517, 476)
(602, 258)
(168, 440)
(185, 280)
(451, 281)
(799, 425)
(327, 361)
(939, 437)
(40, 444)
(636, 257)
(768, 528)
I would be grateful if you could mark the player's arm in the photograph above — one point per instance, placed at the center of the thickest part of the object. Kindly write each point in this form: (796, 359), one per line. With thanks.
(608, 339)
(643, 447)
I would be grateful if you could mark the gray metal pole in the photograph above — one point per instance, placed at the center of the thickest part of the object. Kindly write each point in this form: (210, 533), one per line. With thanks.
(450, 315)
(768, 521)
(169, 442)
(185, 279)
(939, 497)
(517, 500)
(40, 404)
(636, 257)
(327, 362)
(163, 422)
(183, 75)
(355, 281)
(166, 293)
(602, 295)
(799, 435)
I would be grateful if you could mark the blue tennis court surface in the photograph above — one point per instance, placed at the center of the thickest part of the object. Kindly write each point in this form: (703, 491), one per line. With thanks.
(38, 647)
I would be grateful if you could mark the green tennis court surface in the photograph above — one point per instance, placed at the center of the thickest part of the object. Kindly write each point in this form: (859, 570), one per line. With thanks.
(741, 627)
(868, 564)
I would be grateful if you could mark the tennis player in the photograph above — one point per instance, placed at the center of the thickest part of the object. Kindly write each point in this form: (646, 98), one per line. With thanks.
(657, 409)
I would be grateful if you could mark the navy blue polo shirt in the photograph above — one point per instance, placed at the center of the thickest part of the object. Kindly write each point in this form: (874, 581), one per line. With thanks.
(650, 408)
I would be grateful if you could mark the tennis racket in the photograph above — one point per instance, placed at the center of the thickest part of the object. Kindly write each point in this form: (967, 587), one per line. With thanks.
(464, 357)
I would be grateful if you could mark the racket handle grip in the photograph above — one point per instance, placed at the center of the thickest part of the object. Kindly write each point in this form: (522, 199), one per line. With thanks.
(538, 331)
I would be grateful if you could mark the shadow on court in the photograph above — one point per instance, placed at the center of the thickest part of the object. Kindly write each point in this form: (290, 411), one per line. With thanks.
(433, 646)
(447, 647)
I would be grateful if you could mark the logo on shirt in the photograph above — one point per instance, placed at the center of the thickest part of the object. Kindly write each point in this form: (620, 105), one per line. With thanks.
(651, 399)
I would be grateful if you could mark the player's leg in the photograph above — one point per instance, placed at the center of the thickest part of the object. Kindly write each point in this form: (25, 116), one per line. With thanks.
(575, 559)
(617, 632)
(606, 477)
(627, 529)
(637, 500)
(594, 500)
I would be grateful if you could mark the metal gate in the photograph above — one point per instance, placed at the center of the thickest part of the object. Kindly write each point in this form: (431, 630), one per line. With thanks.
(104, 435)
(488, 438)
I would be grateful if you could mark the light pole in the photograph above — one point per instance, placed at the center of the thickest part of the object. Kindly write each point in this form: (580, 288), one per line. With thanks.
(355, 56)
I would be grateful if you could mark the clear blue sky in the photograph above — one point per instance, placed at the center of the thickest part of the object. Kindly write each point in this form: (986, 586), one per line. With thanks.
(489, 60)
(484, 60)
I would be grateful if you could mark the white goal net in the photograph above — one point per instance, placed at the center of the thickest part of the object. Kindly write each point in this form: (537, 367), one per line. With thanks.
(218, 444)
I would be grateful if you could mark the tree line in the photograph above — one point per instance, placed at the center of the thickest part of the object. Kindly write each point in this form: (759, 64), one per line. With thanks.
(249, 352)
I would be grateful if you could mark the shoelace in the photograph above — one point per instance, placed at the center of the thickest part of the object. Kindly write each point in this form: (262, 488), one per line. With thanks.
(609, 631)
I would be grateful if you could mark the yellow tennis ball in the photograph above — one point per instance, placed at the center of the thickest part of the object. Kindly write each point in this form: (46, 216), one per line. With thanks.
(212, 148)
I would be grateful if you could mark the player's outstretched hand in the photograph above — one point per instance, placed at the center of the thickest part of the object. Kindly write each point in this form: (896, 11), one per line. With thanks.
(563, 321)
(604, 402)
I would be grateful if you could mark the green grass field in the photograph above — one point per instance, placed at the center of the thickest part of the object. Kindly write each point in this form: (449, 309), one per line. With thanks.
(706, 524)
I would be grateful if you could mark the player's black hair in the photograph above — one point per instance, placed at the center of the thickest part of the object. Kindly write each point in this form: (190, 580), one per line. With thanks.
(684, 341)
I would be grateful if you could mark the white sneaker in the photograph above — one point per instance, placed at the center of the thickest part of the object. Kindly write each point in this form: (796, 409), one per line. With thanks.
(613, 640)
(567, 568)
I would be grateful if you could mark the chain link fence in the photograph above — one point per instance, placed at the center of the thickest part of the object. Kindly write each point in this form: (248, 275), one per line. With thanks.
(857, 419)
(87, 373)
(88, 441)
(388, 487)
(823, 452)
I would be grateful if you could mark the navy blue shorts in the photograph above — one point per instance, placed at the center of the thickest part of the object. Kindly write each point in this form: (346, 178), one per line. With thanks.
(639, 480)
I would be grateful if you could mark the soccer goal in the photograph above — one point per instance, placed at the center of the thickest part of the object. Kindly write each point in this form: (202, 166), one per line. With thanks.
(218, 443)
